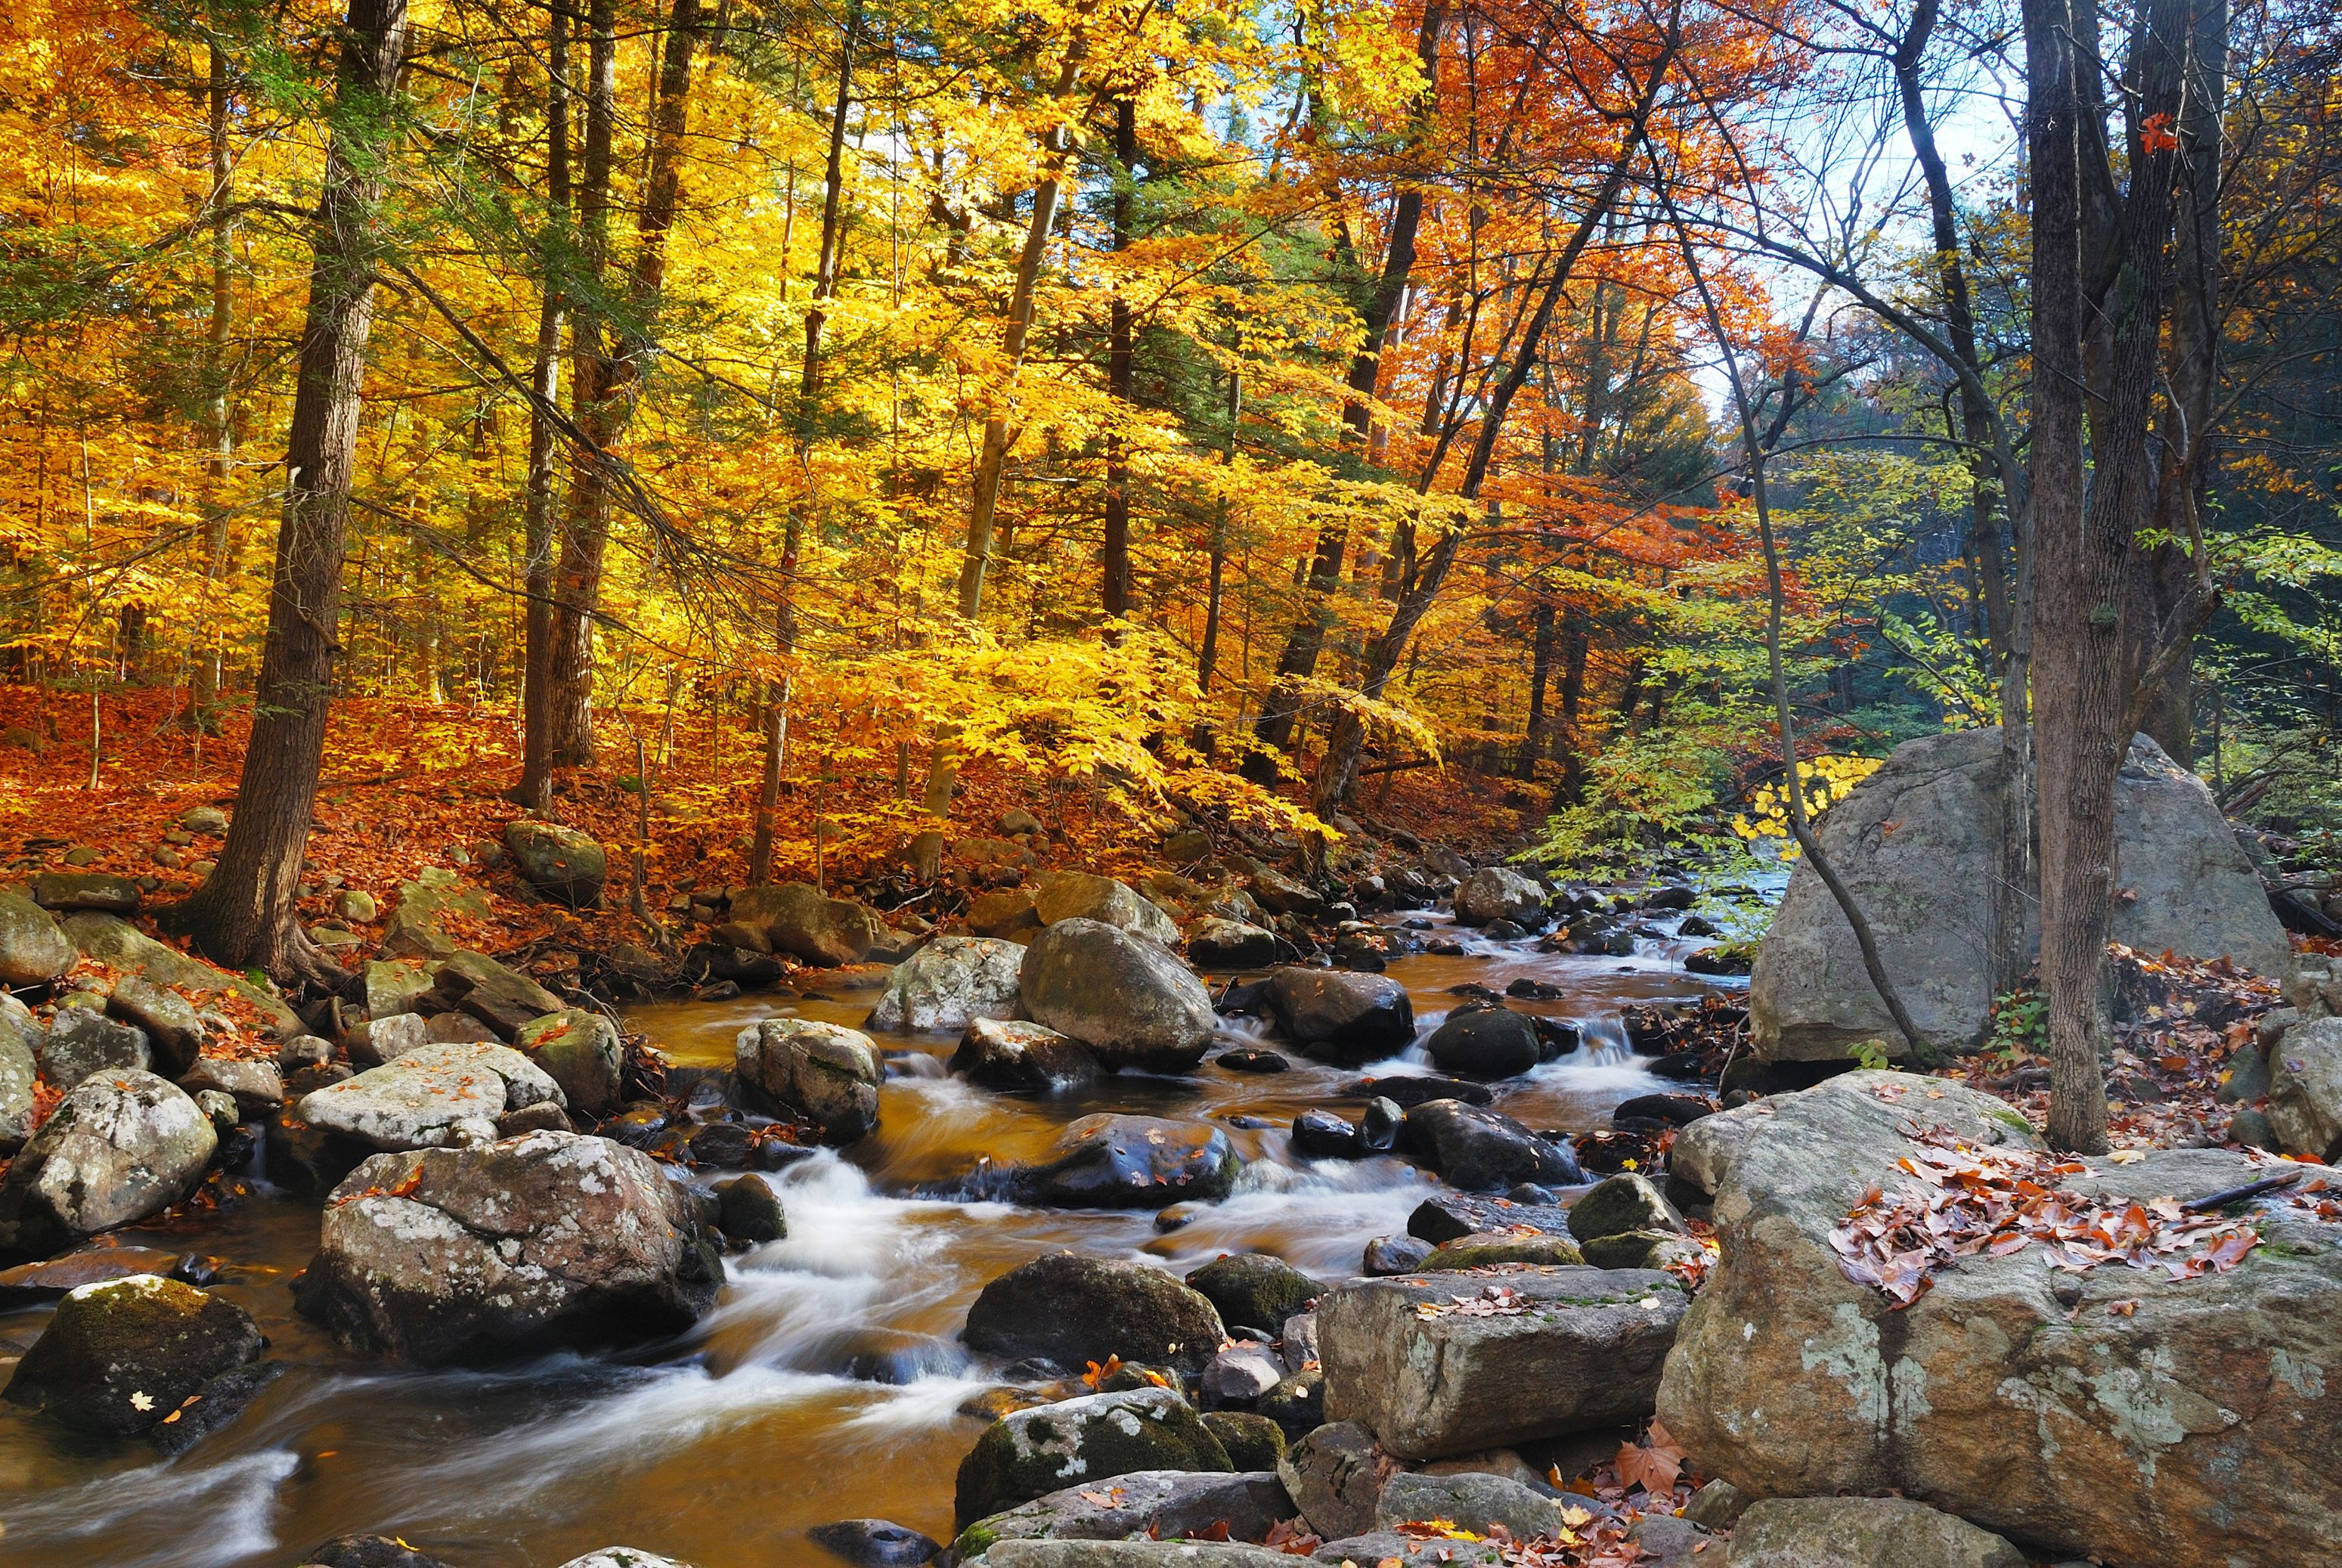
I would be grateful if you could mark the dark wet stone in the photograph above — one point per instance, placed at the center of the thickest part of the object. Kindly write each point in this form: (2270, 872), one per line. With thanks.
(1480, 1150)
(367, 1551)
(874, 1542)
(1676, 1110)
(219, 1401)
(1252, 1061)
(1380, 1125)
(1388, 1255)
(1407, 1090)
(1446, 1216)
(1323, 1136)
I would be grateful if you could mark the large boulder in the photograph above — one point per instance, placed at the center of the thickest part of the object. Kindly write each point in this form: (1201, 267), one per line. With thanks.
(119, 1147)
(65, 891)
(2304, 1093)
(1340, 1016)
(80, 1041)
(167, 1018)
(1916, 843)
(1071, 1310)
(1033, 1453)
(123, 1356)
(2117, 1412)
(550, 1238)
(581, 1052)
(1109, 1162)
(1079, 896)
(122, 947)
(32, 951)
(1534, 1352)
(497, 994)
(1335, 1476)
(1218, 943)
(823, 1072)
(949, 984)
(1000, 1054)
(1498, 893)
(18, 1071)
(799, 918)
(1254, 1291)
(1863, 1533)
(1156, 1504)
(561, 863)
(431, 1097)
(1485, 1042)
(258, 1087)
(1123, 996)
(1484, 1150)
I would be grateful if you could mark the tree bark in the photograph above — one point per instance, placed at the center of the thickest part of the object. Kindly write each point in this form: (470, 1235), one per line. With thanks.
(244, 915)
(219, 418)
(1115, 595)
(534, 790)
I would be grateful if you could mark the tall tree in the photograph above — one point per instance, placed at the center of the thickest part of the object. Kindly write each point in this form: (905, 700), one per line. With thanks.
(535, 788)
(244, 915)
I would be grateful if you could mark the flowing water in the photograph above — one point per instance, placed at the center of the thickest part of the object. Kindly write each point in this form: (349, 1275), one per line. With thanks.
(826, 1381)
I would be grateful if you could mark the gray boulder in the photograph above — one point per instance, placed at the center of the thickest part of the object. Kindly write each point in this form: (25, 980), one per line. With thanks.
(1129, 1554)
(1339, 1016)
(1916, 842)
(1534, 1353)
(826, 1072)
(124, 1356)
(1123, 996)
(167, 1018)
(799, 918)
(949, 984)
(1498, 893)
(430, 1097)
(561, 863)
(1000, 1054)
(1079, 896)
(1106, 1161)
(65, 891)
(2304, 1093)
(552, 1238)
(1335, 1477)
(1221, 943)
(1468, 1500)
(1164, 1503)
(1863, 1533)
(80, 1041)
(1484, 1150)
(123, 948)
(1034, 1453)
(257, 1087)
(32, 951)
(120, 1147)
(581, 1052)
(2117, 1412)
(18, 1071)
(497, 994)
(395, 985)
(1072, 1310)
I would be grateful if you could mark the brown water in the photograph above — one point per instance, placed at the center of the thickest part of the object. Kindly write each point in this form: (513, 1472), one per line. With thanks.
(721, 1449)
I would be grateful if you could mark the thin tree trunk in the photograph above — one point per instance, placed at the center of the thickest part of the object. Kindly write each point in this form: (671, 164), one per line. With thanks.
(1114, 596)
(244, 915)
(535, 788)
(219, 419)
(984, 501)
(1541, 647)
(825, 266)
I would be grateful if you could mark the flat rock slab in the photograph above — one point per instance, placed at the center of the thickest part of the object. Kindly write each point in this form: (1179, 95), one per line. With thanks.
(1559, 1349)
(424, 1098)
(1860, 1533)
(1160, 1503)
(1452, 1216)
(1129, 1554)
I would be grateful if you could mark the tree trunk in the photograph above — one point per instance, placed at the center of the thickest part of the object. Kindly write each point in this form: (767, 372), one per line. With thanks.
(535, 788)
(1115, 598)
(984, 501)
(609, 370)
(219, 420)
(1541, 645)
(825, 266)
(244, 915)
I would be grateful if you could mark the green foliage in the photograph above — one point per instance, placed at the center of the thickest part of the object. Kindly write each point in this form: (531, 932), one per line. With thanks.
(2020, 1025)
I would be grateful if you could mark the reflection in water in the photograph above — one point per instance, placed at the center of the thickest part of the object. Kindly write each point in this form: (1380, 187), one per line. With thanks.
(828, 1381)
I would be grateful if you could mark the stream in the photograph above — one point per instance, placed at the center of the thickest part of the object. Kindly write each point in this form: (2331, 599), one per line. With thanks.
(825, 1383)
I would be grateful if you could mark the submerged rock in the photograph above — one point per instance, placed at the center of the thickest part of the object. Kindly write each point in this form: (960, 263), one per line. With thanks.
(1030, 1453)
(1071, 1310)
(875, 1543)
(1109, 1162)
(125, 1355)
(1123, 996)
(949, 984)
(120, 1147)
(549, 1239)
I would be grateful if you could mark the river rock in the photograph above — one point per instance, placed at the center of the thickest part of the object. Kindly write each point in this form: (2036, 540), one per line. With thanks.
(1123, 996)
(1220, 943)
(1167, 1503)
(1252, 1290)
(874, 1542)
(1495, 1247)
(65, 891)
(1239, 1377)
(18, 1074)
(1106, 1161)
(998, 1054)
(1031, 1454)
(1641, 1249)
(499, 996)
(624, 1557)
(1485, 1042)
(2117, 1414)
(32, 951)
(1323, 1136)
(748, 1211)
(1444, 1217)
(799, 918)
(823, 1072)
(1281, 895)
(431, 1097)
(121, 1146)
(418, 924)
(367, 1551)
(256, 1086)
(1468, 1500)
(1564, 1350)
(1497, 892)
(551, 1238)
(1623, 1203)
(1388, 1255)
(395, 985)
(1129, 1554)
(2304, 1093)
(123, 1356)
(1079, 896)
(1072, 1310)
(561, 863)
(1254, 1441)
(1923, 882)
(581, 1052)
(1004, 912)
(1863, 1533)
(80, 1041)
(167, 1018)
(1335, 1477)
(1484, 1151)
(98, 1263)
(1339, 1016)
(949, 984)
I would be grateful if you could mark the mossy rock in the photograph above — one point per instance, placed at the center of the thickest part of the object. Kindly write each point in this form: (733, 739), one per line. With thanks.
(1253, 1441)
(1252, 1290)
(122, 1357)
(1487, 1249)
(1032, 1453)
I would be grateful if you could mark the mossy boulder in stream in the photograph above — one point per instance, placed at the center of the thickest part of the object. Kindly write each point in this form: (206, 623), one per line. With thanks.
(1030, 1453)
(1071, 1310)
(123, 1356)
(1252, 1290)
(1123, 996)
(823, 1072)
(1160, 1504)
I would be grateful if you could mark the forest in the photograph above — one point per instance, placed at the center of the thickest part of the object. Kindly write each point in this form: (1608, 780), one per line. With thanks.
(595, 527)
